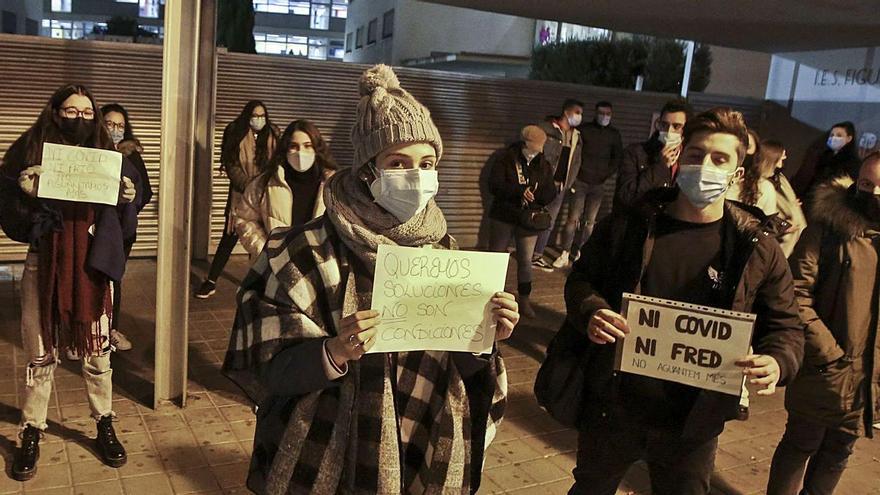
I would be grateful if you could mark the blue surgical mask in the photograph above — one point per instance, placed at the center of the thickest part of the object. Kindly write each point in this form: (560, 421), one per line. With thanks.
(405, 193)
(117, 135)
(836, 142)
(702, 185)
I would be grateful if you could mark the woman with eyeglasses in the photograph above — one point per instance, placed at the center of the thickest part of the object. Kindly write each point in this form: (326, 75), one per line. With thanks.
(290, 192)
(248, 143)
(76, 251)
(119, 125)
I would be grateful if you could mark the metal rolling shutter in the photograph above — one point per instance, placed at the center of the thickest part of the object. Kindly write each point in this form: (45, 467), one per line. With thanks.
(130, 74)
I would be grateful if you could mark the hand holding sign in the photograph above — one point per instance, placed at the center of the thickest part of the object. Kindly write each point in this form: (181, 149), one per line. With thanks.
(29, 180)
(127, 192)
(606, 326)
(80, 174)
(506, 315)
(765, 368)
(356, 336)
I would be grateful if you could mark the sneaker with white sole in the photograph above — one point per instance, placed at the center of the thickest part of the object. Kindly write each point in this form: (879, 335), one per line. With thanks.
(71, 355)
(207, 290)
(561, 261)
(120, 341)
(541, 264)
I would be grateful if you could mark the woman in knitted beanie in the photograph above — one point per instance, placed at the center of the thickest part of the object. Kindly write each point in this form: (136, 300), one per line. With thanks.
(330, 418)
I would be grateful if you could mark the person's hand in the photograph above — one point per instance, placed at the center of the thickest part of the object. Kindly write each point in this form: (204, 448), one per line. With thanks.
(606, 326)
(356, 337)
(529, 195)
(764, 371)
(506, 314)
(670, 155)
(127, 192)
(29, 180)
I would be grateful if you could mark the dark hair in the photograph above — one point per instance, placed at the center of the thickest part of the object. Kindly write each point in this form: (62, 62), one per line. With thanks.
(238, 129)
(571, 102)
(604, 104)
(848, 126)
(28, 148)
(720, 120)
(323, 158)
(129, 132)
(765, 161)
(676, 106)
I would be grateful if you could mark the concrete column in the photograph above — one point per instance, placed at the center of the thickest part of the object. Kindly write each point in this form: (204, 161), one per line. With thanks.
(205, 107)
(180, 70)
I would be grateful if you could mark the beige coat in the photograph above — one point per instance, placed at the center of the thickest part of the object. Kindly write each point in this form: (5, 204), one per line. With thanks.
(267, 205)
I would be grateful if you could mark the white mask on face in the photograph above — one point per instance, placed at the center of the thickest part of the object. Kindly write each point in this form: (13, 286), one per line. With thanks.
(603, 120)
(301, 161)
(575, 120)
(670, 139)
(117, 135)
(257, 123)
(405, 193)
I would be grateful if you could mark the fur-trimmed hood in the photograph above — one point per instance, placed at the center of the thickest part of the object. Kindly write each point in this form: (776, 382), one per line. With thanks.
(833, 207)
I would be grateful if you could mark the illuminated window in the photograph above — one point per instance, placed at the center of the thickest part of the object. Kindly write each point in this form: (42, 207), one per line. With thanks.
(127, 1)
(318, 48)
(61, 5)
(149, 8)
(337, 50)
(340, 9)
(320, 16)
(272, 6)
(301, 8)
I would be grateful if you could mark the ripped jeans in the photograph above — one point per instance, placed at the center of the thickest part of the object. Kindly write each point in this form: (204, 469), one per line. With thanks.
(41, 366)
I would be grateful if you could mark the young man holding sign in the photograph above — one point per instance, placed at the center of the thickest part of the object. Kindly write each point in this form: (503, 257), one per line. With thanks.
(687, 245)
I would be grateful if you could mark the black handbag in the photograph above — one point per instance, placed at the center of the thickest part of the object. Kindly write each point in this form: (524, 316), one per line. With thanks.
(561, 380)
(537, 220)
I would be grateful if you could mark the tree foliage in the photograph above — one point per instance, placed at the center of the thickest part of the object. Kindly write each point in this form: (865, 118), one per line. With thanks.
(618, 63)
(235, 25)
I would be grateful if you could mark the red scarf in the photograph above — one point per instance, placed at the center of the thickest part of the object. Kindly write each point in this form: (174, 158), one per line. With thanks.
(73, 296)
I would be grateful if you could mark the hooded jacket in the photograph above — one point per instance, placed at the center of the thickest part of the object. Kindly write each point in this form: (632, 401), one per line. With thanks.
(757, 280)
(835, 274)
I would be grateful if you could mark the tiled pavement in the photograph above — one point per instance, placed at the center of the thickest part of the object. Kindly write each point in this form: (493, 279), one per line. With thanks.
(205, 447)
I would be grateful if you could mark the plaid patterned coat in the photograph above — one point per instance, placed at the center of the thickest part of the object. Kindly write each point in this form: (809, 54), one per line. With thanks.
(419, 419)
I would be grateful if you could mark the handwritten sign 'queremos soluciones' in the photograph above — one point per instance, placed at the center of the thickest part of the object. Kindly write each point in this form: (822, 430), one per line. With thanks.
(437, 300)
(685, 343)
(76, 173)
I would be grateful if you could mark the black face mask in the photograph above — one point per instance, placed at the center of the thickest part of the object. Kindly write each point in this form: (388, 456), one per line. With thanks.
(869, 204)
(77, 131)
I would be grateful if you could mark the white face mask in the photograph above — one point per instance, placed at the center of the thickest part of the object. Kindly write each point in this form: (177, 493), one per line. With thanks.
(836, 143)
(529, 155)
(301, 161)
(405, 193)
(702, 184)
(575, 120)
(603, 120)
(257, 123)
(117, 135)
(670, 139)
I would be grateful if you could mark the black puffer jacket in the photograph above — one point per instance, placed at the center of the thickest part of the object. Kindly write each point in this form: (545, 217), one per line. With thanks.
(759, 281)
(508, 184)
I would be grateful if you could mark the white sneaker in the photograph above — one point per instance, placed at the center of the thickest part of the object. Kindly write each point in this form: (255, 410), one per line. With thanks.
(120, 341)
(561, 261)
(71, 355)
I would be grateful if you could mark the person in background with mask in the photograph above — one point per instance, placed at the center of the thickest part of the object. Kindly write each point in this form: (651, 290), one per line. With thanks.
(675, 427)
(563, 150)
(248, 143)
(787, 204)
(76, 251)
(654, 163)
(840, 157)
(290, 191)
(117, 122)
(404, 422)
(522, 179)
(601, 157)
(833, 400)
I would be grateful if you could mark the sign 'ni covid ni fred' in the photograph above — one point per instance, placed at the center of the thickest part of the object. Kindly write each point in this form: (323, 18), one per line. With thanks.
(685, 343)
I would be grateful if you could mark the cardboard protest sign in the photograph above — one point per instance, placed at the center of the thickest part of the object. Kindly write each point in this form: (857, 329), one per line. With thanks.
(685, 343)
(80, 174)
(436, 299)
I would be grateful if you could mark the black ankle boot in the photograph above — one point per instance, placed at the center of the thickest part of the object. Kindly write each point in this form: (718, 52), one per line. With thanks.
(111, 449)
(25, 465)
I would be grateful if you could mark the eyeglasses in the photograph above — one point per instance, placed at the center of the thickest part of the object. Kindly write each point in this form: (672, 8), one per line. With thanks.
(114, 125)
(73, 112)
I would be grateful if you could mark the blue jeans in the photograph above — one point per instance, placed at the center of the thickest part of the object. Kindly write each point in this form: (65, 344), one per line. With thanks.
(584, 201)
